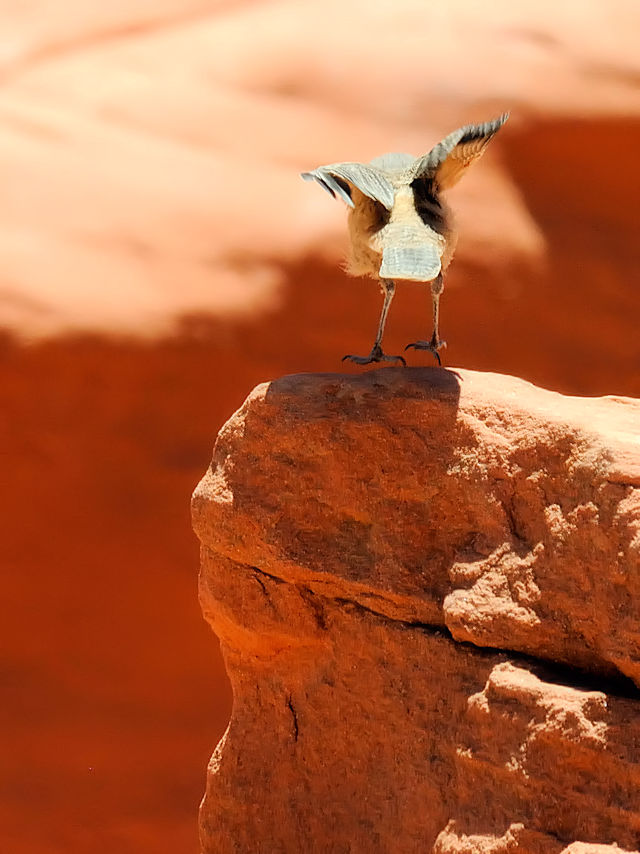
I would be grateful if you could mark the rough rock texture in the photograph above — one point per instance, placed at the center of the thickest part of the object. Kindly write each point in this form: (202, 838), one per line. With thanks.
(424, 582)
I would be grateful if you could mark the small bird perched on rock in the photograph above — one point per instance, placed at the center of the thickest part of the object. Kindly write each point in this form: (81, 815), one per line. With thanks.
(400, 227)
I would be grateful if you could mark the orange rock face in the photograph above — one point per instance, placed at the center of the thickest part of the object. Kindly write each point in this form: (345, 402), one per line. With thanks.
(423, 585)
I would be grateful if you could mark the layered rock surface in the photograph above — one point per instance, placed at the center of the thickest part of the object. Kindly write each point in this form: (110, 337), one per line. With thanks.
(424, 582)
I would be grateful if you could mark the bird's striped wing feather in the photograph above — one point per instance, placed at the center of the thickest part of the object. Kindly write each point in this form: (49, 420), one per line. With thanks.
(447, 162)
(339, 178)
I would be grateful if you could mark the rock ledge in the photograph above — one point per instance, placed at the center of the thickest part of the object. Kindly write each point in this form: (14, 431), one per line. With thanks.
(424, 582)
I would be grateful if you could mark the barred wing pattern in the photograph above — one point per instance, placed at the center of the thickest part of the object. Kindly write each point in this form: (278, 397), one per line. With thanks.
(337, 178)
(447, 162)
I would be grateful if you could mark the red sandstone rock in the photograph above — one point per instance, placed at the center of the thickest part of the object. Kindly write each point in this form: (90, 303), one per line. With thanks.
(516, 839)
(355, 531)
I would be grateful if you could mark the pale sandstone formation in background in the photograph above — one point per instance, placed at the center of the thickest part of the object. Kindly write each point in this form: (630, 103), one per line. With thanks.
(355, 532)
(151, 152)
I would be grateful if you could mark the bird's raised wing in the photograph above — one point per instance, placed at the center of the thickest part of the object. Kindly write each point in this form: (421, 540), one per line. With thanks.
(339, 179)
(447, 162)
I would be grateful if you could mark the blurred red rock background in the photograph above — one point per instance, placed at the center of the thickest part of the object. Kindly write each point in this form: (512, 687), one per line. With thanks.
(159, 256)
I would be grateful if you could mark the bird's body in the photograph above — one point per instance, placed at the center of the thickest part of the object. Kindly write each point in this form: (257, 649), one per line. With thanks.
(407, 246)
(399, 226)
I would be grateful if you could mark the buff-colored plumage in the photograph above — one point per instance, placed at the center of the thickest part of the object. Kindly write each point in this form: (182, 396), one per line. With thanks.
(400, 228)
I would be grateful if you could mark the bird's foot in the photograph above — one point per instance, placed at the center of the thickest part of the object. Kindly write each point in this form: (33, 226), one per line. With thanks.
(433, 346)
(376, 355)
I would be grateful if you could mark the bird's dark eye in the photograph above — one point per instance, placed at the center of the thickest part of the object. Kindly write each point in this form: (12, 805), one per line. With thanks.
(427, 204)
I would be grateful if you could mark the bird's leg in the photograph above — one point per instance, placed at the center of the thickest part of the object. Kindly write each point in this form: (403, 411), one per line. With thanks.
(376, 354)
(435, 343)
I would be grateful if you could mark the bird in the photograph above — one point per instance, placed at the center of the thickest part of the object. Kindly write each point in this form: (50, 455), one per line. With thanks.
(400, 227)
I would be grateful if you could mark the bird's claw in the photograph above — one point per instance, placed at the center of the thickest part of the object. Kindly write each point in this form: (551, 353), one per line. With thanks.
(376, 355)
(432, 346)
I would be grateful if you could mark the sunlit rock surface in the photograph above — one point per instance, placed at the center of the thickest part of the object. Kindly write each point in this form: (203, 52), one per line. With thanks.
(423, 583)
